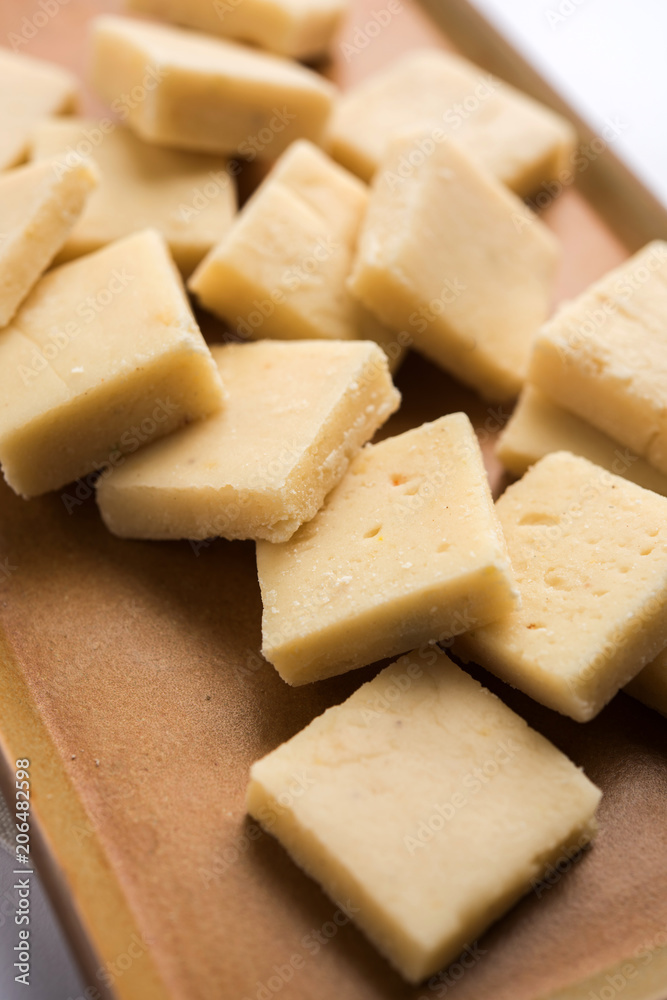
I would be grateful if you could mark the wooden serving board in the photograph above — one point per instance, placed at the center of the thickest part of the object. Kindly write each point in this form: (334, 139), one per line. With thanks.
(130, 676)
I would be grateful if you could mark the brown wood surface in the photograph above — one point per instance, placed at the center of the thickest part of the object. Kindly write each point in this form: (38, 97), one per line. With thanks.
(131, 677)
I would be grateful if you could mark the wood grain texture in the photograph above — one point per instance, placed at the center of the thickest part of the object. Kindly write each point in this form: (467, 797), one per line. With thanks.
(131, 677)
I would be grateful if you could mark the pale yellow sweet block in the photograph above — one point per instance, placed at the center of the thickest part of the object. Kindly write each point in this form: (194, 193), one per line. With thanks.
(522, 143)
(650, 686)
(407, 549)
(39, 204)
(103, 356)
(603, 356)
(539, 426)
(295, 415)
(301, 29)
(282, 268)
(189, 197)
(450, 255)
(589, 550)
(30, 89)
(426, 804)
(192, 91)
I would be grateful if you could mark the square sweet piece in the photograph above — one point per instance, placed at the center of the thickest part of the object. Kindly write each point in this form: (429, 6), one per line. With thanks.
(426, 803)
(199, 92)
(539, 426)
(521, 142)
(30, 89)
(39, 204)
(295, 415)
(650, 686)
(282, 268)
(103, 356)
(451, 255)
(301, 29)
(406, 550)
(189, 197)
(589, 550)
(603, 356)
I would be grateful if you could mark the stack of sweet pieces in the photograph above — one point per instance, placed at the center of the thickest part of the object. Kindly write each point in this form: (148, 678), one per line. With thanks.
(430, 804)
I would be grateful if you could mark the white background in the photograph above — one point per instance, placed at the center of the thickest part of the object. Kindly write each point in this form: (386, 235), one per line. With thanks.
(607, 58)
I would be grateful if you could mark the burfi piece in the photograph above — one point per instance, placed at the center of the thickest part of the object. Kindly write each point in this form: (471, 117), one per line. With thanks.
(450, 254)
(539, 426)
(39, 204)
(281, 270)
(189, 197)
(522, 143)
(302, 29)
(604, 355)
(426, 803)
(202, 93)
(295, 415)
(650, 686)
(589, 550)
(405, 550)
(103, 356)
(30, 89)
